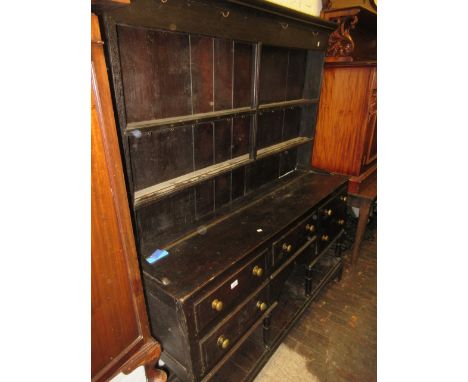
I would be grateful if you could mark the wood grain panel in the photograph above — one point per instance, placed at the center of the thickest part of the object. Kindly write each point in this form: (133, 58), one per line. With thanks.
(155, 73)
(288, 161)
(223, 73)
(201, 53)
(223, 139)
(136, 59)
(238, 183)
(204, 194)
(203, 145)
(222, 190)
(296, 73)
(292, 123)
(113, 322)
(370, 145)
(339, 137)
(273, 74)
(261, 172)
(269, 128)
(156, 219)
(242, 74)
(313, 75)
(160, 155)
(240, 136)
(120, 337)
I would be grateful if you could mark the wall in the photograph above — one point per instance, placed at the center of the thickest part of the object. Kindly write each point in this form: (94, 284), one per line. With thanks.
(138, 375)
(311, 7)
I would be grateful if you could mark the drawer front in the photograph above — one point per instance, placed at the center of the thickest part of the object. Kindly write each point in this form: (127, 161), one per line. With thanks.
(222, 339)
(294, 239)
(332, 219)
(217, 303)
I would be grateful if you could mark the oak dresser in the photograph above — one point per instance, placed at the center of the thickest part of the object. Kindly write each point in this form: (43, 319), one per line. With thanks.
(216, 103)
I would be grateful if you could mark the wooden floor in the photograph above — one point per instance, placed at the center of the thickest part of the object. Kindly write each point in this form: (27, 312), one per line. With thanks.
(336, 338)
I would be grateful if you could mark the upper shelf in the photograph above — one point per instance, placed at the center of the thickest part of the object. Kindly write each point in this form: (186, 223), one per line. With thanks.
(215, 115)
(292, 103)
(188, 119)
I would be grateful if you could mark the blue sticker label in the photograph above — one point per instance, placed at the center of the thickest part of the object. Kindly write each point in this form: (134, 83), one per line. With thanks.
(157, 255)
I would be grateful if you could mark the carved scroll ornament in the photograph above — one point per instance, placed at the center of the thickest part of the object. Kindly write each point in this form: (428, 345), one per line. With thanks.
(341, 43)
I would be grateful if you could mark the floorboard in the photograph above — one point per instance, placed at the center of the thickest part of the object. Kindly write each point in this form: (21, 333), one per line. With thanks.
(336, 338)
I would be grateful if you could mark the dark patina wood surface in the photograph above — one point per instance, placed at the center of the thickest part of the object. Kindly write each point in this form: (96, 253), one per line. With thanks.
(192, 263)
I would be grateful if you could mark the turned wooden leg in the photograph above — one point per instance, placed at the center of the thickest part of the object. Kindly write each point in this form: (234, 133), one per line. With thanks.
(338, 246)
(308, 281)
(361, 228)
(155, 375)
(148, 356)
(266, 330)
(340, 273)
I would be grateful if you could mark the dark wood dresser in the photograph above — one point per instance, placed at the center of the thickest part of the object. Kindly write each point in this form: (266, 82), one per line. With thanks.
(216, 103)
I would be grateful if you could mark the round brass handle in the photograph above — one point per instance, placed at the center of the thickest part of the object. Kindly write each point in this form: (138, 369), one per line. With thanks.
(223, 342)
(341, 221)
(262, 306)
(325, 237)
(257, 271)
(328, 212)
(217, 305)
(343, 198)
(310, 228)
(287, 247)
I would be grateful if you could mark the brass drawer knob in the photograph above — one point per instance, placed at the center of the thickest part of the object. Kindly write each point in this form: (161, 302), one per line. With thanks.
(262, 306)
(217, 305)
(343, 198)
(287, 247)
(310, 228)
(325, 237)
(341, 222)
(257, 271)
(223, 342)
(328, 212)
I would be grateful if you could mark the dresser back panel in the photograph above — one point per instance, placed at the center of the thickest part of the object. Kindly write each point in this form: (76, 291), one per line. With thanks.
(240, 100)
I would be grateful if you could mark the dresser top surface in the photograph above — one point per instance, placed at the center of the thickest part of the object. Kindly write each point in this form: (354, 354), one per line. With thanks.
(195, 261)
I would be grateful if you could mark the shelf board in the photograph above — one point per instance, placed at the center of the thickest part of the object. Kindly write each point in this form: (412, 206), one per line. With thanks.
(214, 115)
(283, 104)
(160, 190)
(283, 146)
(188, 119)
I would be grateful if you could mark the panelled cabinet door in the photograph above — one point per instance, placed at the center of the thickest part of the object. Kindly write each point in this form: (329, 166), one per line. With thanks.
(120, 337)
(114, 324)
(370, 153)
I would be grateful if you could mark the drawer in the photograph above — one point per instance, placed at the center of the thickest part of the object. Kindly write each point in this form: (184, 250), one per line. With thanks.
(335, 207)
(217, 303)
(294, 239)
(222, 339)
(332, 218)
